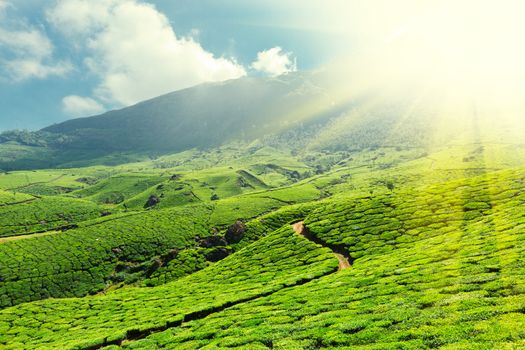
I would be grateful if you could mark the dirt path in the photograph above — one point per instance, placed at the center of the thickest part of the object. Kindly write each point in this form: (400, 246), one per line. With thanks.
(135, 335)
(343, 262)
(300, 229)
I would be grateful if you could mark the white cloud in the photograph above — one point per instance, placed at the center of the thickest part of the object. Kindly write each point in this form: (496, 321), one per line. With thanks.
(78, 106)
(26, 52)
(27, 68)
(274, 62)
(29, 42)
(3, 5)
(80, 17)
(134, 51)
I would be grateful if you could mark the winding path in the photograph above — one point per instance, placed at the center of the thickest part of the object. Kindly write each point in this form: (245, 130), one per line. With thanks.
(300, 229)
(132, 335)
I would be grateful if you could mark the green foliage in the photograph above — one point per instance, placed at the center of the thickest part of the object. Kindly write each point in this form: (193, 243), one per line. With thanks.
(447, 281)
(83, 260)
(10, 198)
(117, 189)
(263, 225)
(170, 194)
(44, 214)
(123, 247)
(187, 262)
(252, 272)
(435, 241)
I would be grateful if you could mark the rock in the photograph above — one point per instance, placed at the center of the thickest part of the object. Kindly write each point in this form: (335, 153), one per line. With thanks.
(152, 267)
(87, 180)
(116, 250)
(153, 200)
(172, 254)
(295, 175)
(212, 241)
(235, 232)
(217, 254)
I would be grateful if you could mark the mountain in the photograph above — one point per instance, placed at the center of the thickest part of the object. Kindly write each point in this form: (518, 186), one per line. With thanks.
(200, 117)
(295, 111)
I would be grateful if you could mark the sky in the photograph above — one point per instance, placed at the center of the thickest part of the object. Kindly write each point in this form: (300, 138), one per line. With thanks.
(74, 58)
(63, 59)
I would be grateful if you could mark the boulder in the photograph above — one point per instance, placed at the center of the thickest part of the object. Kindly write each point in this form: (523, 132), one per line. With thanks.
(235, 232)
(217, 254)
(212, 241)
(153, 200)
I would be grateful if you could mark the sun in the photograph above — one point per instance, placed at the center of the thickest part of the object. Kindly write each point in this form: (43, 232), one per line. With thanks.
(470, 49)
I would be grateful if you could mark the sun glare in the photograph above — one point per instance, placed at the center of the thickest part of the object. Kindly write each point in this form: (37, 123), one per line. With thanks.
(468, 44)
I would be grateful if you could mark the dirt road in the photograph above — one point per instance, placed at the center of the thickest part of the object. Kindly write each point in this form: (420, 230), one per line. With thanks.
(300, 229)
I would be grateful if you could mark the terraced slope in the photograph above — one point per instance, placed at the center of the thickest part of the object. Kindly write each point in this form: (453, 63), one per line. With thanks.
(12, 198)
(452, 280)
(35, 215)
(84, 260)
(116, 189)
(276, 262)
(433, 241)
(125, 247)
(439, 266)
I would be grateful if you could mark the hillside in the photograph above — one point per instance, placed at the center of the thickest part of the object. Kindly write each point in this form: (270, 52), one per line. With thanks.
(264, 175)
(389, 224)
(297, 112)
(201, 249)
(201, 117)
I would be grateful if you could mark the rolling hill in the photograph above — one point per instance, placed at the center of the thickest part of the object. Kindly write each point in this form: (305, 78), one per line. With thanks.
(267, 214)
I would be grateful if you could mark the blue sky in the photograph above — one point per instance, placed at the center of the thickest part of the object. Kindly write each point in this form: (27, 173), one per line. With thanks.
(62, 59)
(58, 61)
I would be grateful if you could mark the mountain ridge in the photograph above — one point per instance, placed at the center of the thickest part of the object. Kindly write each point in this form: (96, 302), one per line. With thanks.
(207, 115)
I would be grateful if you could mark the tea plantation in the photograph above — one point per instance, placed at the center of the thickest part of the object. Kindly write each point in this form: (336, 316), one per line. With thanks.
(452, 280)
(11, 198)
(96, 252)
(276, 262)
(44, 214)
(198, 251)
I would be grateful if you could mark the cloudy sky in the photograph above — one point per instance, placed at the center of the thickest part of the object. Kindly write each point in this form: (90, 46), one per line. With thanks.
(73, 58)
(61, 59)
